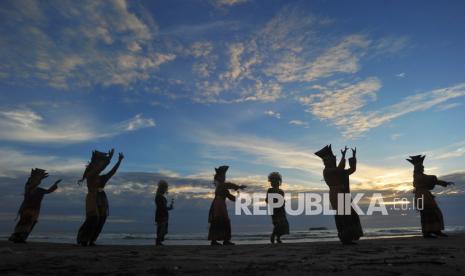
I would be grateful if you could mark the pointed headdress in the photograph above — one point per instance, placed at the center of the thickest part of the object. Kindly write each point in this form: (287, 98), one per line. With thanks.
(43, 173)
(325, 152)
(221, 170)
(416, 159)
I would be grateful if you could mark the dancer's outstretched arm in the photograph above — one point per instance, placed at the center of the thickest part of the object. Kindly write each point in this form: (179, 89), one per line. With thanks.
(104, 178)
(233, 186)
(230, 196)
(53, 187)
(444, 183)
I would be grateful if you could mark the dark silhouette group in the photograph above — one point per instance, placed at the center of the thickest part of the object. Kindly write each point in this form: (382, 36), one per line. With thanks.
(335, 175)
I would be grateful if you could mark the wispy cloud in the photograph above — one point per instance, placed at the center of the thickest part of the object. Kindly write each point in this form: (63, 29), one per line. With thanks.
(344, 106)
(273, 114)
(337, 103)
(25, 125)
(341, 58)
(223, 3)
(266, 151)
(298, 123)
(448, 106)
(360, 122)
(13, 161)
(395, 136)
(453, 150)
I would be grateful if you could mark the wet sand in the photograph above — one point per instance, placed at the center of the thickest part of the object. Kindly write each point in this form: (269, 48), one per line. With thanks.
(397, 256)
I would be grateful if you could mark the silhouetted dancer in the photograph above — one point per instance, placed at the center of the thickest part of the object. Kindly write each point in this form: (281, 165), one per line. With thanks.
(431, 216)
(161, 213)
(30, 207)
(96, 199)
(278, 218)
(337, 178)
(220, 225)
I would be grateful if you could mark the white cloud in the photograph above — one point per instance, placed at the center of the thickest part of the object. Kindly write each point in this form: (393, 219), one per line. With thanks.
(116, 45)
(235, 51)
(361, 122)
(390, 44)
(13, 161)
(342, 58)
(454, 150)
(343, 106)
(273, 114)
(223, 3)
(28, 126)
(396, 136)
(298, 123)
(448, 106)
(401, 75)
(138, 122)
(336, 103)
(201, 48)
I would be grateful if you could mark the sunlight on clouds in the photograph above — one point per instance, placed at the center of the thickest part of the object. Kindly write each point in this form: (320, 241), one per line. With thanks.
(265, 150)
(285, 156)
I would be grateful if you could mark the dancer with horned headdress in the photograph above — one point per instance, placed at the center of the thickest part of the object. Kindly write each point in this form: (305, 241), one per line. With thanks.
(278, 218)
(96, 199)
(432, 222)
(337, 178)
(30, 207)
(220, 225)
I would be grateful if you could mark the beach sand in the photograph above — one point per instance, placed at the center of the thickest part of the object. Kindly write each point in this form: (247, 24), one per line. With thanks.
(396, 256)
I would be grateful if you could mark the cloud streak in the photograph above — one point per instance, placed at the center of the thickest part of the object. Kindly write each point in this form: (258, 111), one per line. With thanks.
(25, 125)
(344, 106)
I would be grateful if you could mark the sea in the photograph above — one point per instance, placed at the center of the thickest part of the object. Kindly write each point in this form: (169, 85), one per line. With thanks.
(310, 235)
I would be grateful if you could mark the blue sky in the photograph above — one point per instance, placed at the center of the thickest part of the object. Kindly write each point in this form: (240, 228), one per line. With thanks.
(183, 86)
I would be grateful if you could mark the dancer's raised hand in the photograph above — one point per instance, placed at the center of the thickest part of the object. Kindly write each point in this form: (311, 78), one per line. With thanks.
(111, 152)
(344, 151)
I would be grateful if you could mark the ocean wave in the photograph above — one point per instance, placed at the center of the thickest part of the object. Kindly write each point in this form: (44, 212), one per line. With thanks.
(240, 238)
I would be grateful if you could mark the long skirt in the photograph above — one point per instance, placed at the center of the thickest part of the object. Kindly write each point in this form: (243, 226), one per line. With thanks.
(220, 225)
(348, 227)
(95, 220)
(280, 223)
(431, 216)
(26, 223)
(162, 230)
